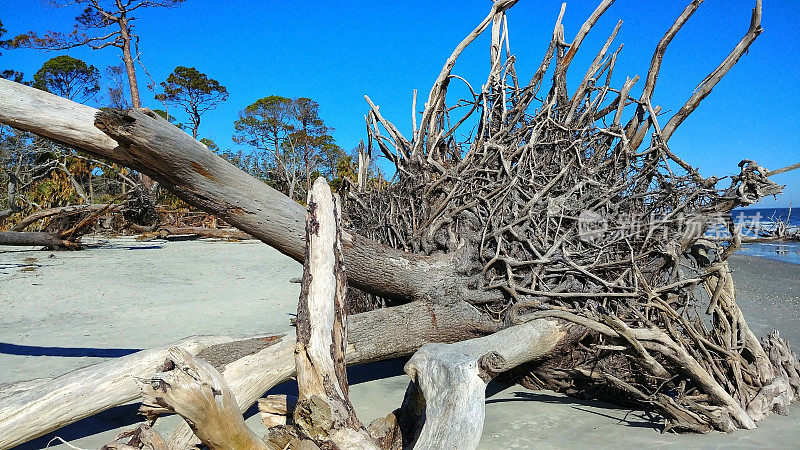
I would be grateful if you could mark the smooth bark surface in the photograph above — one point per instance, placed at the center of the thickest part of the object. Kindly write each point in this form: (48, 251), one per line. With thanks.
(153, 146)
(452, 379)
(38, 407)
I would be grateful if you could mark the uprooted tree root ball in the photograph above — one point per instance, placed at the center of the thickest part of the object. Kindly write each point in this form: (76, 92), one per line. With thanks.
(525, 224)
(557, 209)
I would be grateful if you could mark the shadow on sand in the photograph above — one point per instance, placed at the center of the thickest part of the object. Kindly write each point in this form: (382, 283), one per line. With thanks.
(126, 415)
(33, 350)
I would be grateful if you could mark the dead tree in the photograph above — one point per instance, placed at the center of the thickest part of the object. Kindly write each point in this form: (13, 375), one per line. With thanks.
(550, 213)
(322, 415)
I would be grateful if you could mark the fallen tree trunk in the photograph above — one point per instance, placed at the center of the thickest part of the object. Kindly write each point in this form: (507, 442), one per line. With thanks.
(52, 241)
(196, 233)
(62, 211)
(251, 367)
(462, 370)
(451, 377)
(534, 213)
(372, 336)
(146, 142)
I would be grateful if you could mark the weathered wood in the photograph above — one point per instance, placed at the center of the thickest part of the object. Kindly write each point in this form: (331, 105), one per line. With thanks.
(61, 211)
(195, 390)
(52, 241)
(372, 336)
(142, 437)
(196, 232)
(30, 409)
(324, 413)
(277, 409)
(452, 379)
(44, 406)
(784, 389)
(153, 146)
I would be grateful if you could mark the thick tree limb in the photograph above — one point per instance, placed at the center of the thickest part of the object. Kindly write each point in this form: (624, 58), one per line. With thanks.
(52, 241)
(59, 211)
(452, 379)
(33, 408)
(153, 146)
(372, 336)
(195, 390)
(324, 413)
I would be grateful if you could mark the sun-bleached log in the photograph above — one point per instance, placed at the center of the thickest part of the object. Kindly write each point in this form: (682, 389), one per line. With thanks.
(324, 413)
(251, 367)
(52, 241)
(144, 141)
(452, 379)
(196, 391)
(38, 407)
(372, 336)
(62, 211)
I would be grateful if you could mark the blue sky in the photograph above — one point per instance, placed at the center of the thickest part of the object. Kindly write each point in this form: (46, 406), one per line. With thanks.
(335, 52)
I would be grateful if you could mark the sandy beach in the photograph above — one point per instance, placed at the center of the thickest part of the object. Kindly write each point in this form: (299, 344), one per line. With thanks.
(65, 310)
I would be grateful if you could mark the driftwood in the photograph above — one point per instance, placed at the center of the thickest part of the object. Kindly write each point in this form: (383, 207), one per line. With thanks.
(25, 407)
(205, 180)
(52, 241)
(31, 409)
(142, 437)
(179, 233)
(549, 211)
(62, 211)
(195, 390)
(63, 240)
(451, 378)
(277, 409)
(552, 203)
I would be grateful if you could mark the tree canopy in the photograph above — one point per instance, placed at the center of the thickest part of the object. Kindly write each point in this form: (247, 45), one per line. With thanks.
(8, 73)
(293, 142)
(194, 91)
(99, 25)
(68, 77)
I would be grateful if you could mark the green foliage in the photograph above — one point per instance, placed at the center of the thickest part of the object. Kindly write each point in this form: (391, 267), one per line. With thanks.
(293, 145)
(194, 92)
(210, 144)
(8, 74)
(265, 123)
(3, 31)
(68, 77)
(165, 115)
(12, 75)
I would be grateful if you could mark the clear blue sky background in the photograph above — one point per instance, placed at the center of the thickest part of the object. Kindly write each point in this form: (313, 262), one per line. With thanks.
(335, 52)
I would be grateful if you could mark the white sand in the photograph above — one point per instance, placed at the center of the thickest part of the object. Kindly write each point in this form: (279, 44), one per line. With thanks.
(128, 295)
